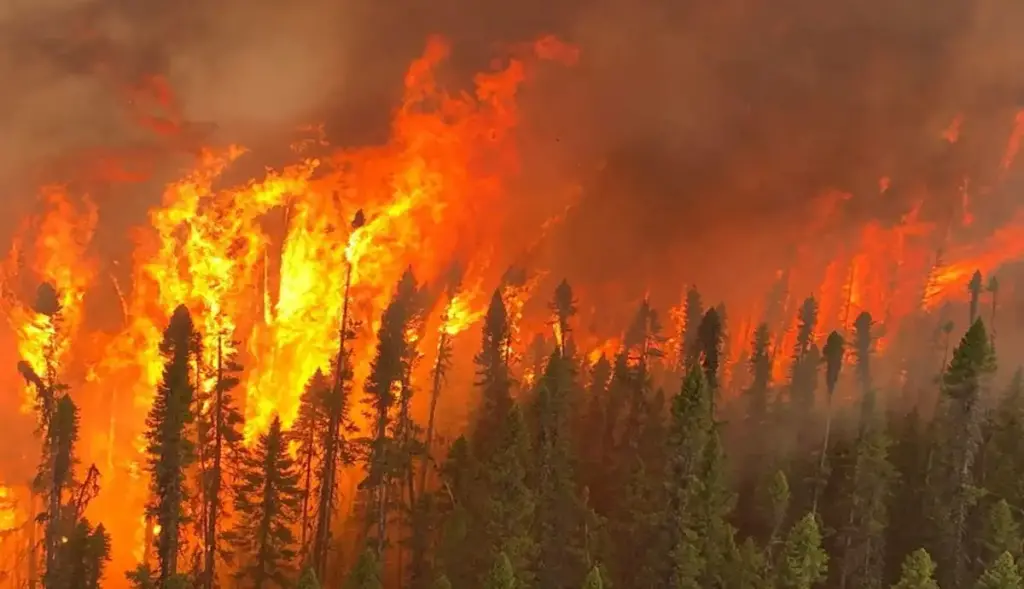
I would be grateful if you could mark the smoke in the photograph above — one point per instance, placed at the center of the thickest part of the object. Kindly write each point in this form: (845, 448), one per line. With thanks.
(688, 126)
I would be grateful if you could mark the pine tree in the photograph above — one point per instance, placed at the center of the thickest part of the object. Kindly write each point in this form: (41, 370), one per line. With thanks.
(918, 572)
(169, 449)
(693, 309)
(308, 580)
(366, 573)
(804, 562)
(83, 557)
(689, 431)
(750, 569)
(1001, 533)
(386, 388)
(458, 553)
(62, 433)
(804, 376)
(761, 375)
(309, 434)
(1003, 574)
(834, 352)
(492, 375)
(509, 507)
(559, 514)
(864, 343)
(593, 579)
(267, 499)
(501, 575)
(964, 385)
(220, 438)
(709, 342)
(974, 288)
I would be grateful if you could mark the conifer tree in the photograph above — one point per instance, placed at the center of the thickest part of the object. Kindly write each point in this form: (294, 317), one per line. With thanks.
(308, 580)
(761, 375)
(441, 582)
(220, 438)
(1002, 574)
(804, 376)
(267, 500)
(963, 386)
(386, 387)
(689, 430)
(974, 288)
(918, 572)
(492, 374)
(804, 562)
(366, 573)
(693, 310)
(593, 579)
(169, 449)
(509, 509)
(501, 575)
(1001, 533)
(83, 557)
(559, 515)
(864, 343)
(834, 352)
(709, 343)
(309, 434)
(334, 446)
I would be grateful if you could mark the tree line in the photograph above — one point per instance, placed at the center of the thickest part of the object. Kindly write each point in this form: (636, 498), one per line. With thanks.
(626, 473)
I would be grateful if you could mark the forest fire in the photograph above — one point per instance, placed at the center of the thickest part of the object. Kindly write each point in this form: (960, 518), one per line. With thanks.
(276, 270)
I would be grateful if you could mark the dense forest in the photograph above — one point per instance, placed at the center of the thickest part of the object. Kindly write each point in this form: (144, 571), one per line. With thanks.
(630, 471)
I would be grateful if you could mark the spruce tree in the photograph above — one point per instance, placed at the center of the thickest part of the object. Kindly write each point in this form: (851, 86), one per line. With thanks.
(1001, 533)
(761, 375)
(170, 452)
(309, 434)
(864, 343)
(501, 575)
(804, 562)
(918, 572)
(804, 372)
(220, 438)
(509, 505)
(964, 386)
(1002, 574)
(693, 310)
(492, 375)
(366, 573)
(689, 431)
(267, 499)
(709, 343)
(559, 514)
(386, 388)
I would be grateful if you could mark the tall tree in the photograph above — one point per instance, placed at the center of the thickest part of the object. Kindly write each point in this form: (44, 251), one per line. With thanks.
(804, 376)
(492, 375)
(834, 352)
(366, 573)
(386, 388)
(267, 499)
(219, 441)
(804, 562)
(334, 446)
(709, 343)
(761, 376)
(309, 434)
(559, 514)
(169, 449)
(693, 313)
(974, 288)
(864, 343)
(509, 504)
(1002, 574)
(963, 385)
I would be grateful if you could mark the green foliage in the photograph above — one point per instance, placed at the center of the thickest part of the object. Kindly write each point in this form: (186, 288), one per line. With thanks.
(918, 572)
(1002, 574)
(501, 575)
(308, 580)
(804, 562)
(366, 572)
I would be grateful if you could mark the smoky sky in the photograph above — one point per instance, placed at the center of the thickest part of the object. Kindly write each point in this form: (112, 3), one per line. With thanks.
(683, 122)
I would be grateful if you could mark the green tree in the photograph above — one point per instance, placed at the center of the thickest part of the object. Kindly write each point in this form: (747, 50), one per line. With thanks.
(593, 580)
(1001, 533)
(501, 575)
(492, 374)
(559, 515)
(170, 452)
(964, 385)
(267, 499)
(366, 573)
(918, 572)
(309, 434)
(1002, 574)
(761, 377)
(386, 389)
(308, 580)
(804, 562)
(509, 505)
